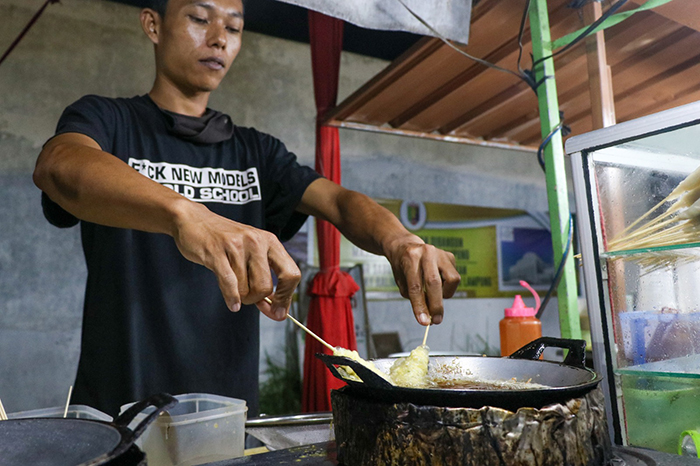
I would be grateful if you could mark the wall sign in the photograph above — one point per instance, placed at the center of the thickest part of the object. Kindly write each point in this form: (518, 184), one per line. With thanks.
(413, 215)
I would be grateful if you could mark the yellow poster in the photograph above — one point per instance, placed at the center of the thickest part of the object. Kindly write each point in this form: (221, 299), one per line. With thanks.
(475, 254)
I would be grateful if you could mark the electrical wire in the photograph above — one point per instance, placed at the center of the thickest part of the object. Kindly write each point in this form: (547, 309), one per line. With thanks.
(560, 270)
(26, 29)
(547, 139)
(523, 19)
(524, 77)
(527, 76)
(609, 12)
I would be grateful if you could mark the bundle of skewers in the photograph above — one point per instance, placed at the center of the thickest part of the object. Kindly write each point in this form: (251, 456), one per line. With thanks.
(678, 224)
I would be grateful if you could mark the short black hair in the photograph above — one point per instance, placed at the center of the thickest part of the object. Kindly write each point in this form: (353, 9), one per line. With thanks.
(159, 6)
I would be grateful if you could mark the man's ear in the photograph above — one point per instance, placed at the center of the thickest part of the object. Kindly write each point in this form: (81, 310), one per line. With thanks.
(150, 23)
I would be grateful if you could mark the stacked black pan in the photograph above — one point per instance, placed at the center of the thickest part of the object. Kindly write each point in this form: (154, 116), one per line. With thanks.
(78, 442)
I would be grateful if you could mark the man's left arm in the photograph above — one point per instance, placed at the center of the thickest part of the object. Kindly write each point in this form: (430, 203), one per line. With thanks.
(424, 274)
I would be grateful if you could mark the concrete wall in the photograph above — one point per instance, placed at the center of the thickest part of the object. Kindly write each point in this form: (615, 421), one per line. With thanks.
(95, 46)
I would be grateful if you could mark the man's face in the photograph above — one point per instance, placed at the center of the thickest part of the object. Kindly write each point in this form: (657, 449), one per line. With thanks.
(198, 41)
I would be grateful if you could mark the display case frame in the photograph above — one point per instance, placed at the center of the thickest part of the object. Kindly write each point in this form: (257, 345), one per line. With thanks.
(581, 149)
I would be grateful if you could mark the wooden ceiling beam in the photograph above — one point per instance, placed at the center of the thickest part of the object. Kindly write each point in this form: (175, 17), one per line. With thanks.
(683, 12)
(469, 95)
(634, 39)
(484, 29)
(599, 75)
(410, 59)
(487, 20)
(678, 90)
(528, 131)
(654, 92)
(666, 47)
(490, 106)
(417, 82)
(514, 126)
(509, 104)
(577, 110)
(444, 91)
(685, 97)
(660, 78)
(561, 20)
(501, 143)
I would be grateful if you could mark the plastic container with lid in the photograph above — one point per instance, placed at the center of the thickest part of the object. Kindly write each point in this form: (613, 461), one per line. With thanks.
(201, 428)
(74, 412)
(520, 325)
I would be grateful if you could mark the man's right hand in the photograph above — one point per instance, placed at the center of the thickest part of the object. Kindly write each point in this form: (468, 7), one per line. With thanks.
(241, 257)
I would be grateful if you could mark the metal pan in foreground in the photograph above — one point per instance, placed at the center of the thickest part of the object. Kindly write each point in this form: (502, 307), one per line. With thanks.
(76, 442)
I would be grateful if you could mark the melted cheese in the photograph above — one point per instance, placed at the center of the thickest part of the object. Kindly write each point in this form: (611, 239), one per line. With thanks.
(411, 371)
(349, 373)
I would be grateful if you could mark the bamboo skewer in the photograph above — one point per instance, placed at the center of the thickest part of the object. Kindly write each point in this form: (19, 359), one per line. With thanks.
(425, 337)
(652, 238)
(679, 237)
(650, 227)
(303, 327)
(678, 225)
(688, 184)
(70, 392)
(682, 232)
(680, 228)
(685, 206)
(648, 212)
(641, 232)
(3, 414)
(684, 199)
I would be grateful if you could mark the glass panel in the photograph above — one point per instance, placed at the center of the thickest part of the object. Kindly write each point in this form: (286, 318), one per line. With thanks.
(655, 312)
(651, 253)
(629, 192)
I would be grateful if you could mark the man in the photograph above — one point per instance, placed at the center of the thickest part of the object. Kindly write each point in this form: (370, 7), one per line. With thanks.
(138, 170)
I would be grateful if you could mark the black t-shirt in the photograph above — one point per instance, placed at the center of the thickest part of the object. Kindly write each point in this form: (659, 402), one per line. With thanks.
(154, 321)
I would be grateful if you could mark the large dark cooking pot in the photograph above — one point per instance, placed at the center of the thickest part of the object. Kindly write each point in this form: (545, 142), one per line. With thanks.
(563, 381)
(77, 442)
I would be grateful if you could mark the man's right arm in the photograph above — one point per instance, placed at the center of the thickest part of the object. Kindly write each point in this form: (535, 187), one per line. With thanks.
(97, 187)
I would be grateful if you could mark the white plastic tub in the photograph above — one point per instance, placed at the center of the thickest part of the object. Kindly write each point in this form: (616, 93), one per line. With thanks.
(74, 411)
(202, 428)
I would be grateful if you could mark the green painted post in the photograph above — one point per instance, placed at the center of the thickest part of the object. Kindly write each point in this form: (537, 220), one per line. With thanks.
(557, 191)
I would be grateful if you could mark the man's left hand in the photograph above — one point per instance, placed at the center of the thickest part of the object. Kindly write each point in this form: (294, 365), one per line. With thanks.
(424, 274)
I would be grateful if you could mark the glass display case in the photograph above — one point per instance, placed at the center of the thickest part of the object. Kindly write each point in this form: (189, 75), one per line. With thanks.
(637, 187)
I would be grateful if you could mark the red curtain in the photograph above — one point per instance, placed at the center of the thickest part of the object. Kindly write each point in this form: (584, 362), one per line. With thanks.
(330, 310)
